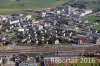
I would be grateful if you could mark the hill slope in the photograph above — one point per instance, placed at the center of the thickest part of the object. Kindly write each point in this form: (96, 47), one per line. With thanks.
(30, 3)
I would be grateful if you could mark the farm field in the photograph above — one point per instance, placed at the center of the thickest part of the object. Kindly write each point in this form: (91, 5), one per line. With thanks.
(91, 4)
(13, 6)
(30, 3)
(92, 19)
(6, 11)
(16, 5)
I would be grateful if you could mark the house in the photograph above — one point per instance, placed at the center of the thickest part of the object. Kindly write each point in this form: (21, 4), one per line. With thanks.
(21, 29)
(85, 40)
(38, 26)
(1, 60)
(77, 12)
(57, 42)
(14, 22)
(58, 12)
(1, 44)
(29, 17)
(43, 14)
(34, 21)
(1, 25)
(46, 25)
(86, 12)
(3, 18)
(98, 41)
(23, 40)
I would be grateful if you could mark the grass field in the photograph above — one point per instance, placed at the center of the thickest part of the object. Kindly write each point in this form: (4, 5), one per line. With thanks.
(40, 3)
(92, 19)
(30, 3)
(9, 5)
(97, 27)
(91, 5)
(6, 11)
(12, 6)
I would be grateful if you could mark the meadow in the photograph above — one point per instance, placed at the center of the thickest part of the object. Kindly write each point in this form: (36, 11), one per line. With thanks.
(7, 11)
(30, 3)
(35, 4)
(93, 20)
(12, 6)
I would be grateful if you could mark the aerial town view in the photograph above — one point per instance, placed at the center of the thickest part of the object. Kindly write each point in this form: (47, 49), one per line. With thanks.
(49, 32)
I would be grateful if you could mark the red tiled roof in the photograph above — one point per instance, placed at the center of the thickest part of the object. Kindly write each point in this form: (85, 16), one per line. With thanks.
(85, 40)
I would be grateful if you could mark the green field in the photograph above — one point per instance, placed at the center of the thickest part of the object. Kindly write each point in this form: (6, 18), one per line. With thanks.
(92, 19)
(93, 6)
(6, 11)
(40, 3)
(12, 6)
(34, 4)
(30, 3)
(90, 4)
(97, 27)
